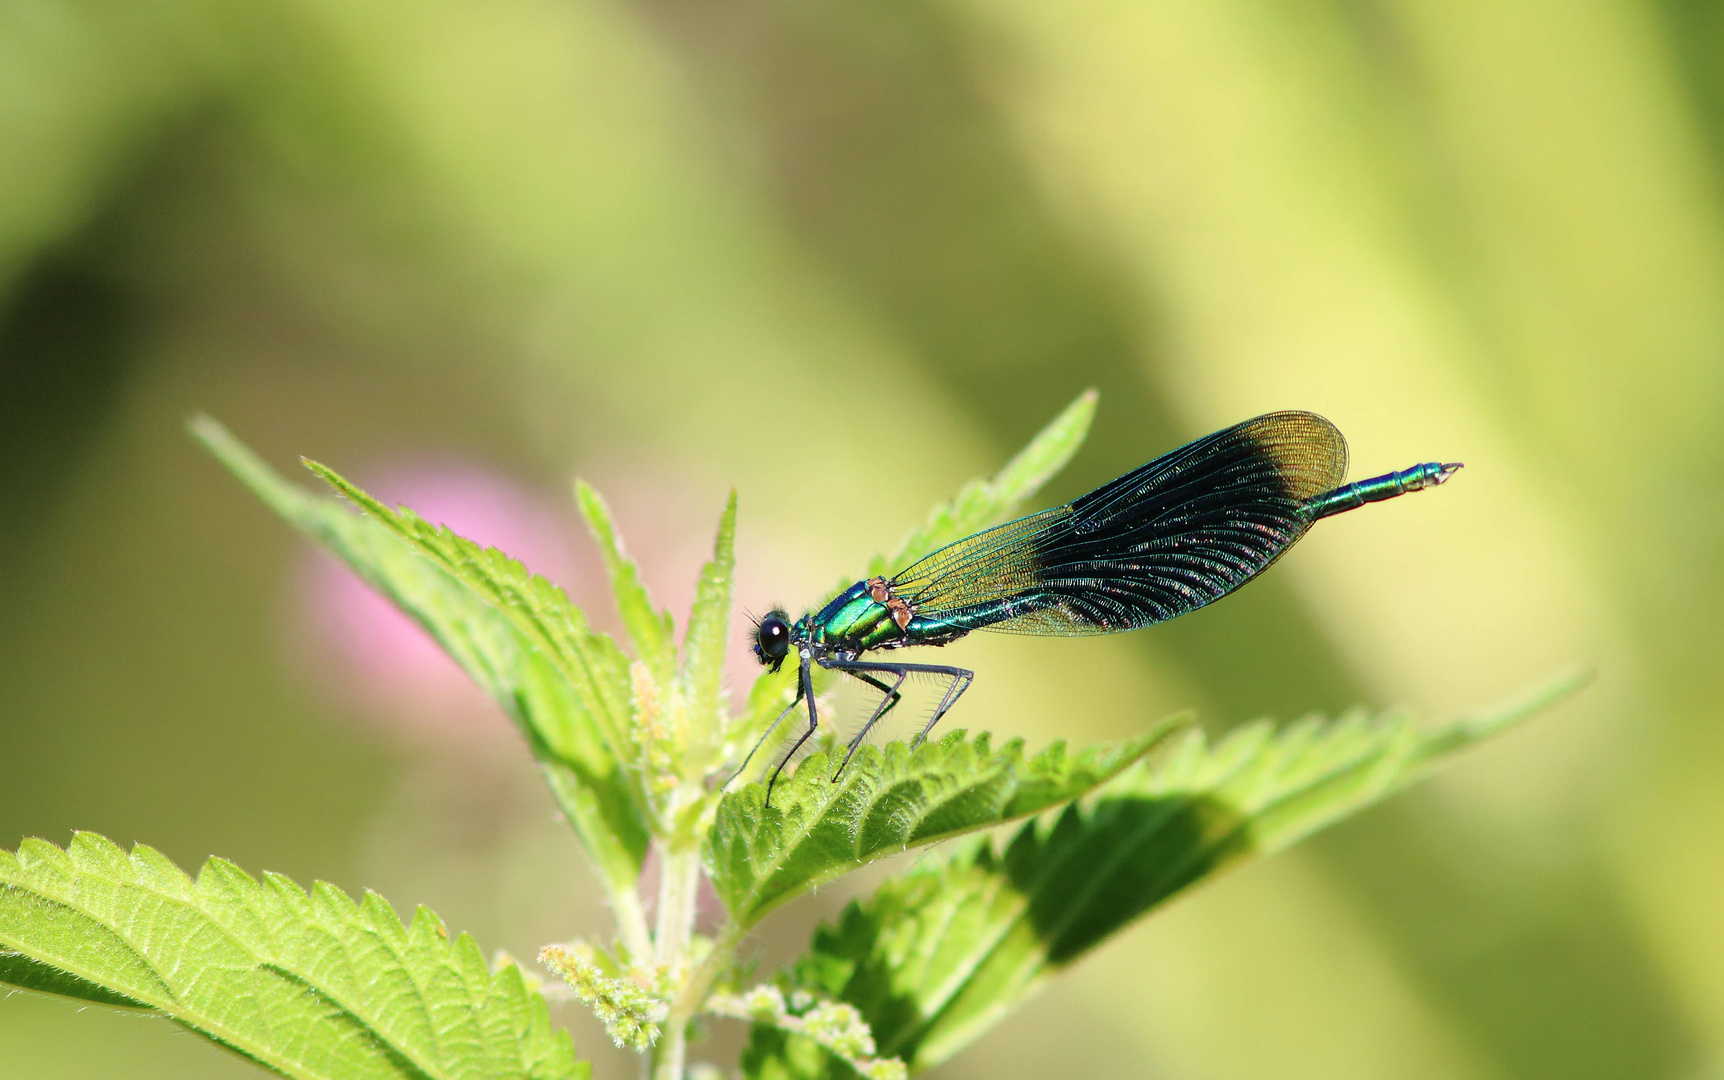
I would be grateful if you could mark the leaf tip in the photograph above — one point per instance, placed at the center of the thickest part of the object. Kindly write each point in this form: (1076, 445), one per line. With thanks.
(321, 471)
(1079, 413)
(207, 429)
(1553, 691)
(333, 898)
(282, 885)
(222, 445)
(219, 871)
(592, 505)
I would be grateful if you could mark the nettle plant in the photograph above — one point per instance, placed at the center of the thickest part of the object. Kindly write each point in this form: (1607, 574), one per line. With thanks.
(637, 747)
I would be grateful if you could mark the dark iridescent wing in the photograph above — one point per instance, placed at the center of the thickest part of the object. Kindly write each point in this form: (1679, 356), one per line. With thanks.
(1184, 530)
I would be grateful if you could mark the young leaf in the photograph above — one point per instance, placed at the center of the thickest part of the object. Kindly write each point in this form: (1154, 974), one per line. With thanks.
(311, 986)
(650, 629)
(941, 953)
(709, 630)
(886, 801)
(595, 668)
(557, 717)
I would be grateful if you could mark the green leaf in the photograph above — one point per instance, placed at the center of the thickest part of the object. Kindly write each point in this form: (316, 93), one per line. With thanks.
(981, 503)
(887, 801)
(941, 953)
(650, 629)
(19, 970)
(560, 717)
(709, 630)
(595, 668)
(311, 986)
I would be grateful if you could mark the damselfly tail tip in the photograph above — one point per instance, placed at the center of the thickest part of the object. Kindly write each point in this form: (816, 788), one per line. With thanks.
(1448, 469)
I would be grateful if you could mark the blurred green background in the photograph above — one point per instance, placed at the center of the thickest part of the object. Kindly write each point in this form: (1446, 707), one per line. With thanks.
(844, 257)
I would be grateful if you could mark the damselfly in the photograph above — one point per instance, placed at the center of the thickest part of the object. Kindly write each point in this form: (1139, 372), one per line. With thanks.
(1164, 539)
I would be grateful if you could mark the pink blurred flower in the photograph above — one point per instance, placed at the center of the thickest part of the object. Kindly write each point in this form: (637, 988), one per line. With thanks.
(377, 662)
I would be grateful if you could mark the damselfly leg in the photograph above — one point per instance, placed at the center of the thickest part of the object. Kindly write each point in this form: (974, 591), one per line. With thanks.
(960, 681)
(805, 692)
(788, 709)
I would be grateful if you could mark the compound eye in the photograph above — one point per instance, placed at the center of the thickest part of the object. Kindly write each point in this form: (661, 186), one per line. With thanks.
(772, 639)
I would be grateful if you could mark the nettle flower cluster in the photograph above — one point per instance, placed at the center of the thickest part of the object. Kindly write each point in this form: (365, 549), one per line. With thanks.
(637, 745)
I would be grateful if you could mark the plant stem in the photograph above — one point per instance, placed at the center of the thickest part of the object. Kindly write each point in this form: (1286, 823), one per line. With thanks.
(631, 920)
(679, 878)
(670, 1054)
(692, 997)
(679, 883)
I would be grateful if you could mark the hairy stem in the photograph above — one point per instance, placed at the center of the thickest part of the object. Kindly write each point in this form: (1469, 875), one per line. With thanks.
(671, 1053)
(679, 883)
(679, 879)
(693, 995)
(631, 919)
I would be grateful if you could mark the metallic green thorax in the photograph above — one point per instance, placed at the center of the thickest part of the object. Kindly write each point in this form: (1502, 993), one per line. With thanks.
(855, 622)
(860, 620)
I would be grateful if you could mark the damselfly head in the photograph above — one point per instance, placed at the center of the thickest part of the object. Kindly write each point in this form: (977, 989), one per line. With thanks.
(772, 639)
